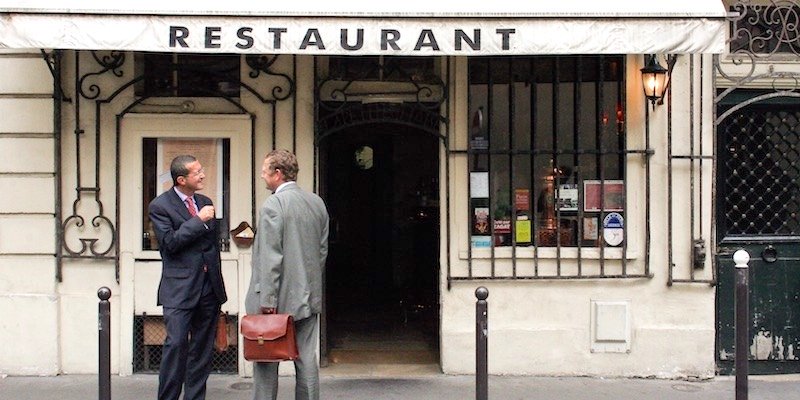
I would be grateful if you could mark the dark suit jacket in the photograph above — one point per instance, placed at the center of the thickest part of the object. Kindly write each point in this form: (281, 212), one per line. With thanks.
(186, 245)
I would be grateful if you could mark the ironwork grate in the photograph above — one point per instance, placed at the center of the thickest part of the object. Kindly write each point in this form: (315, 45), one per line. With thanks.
(765, 29)
(761, 168)
(547, 161)
(148, 337)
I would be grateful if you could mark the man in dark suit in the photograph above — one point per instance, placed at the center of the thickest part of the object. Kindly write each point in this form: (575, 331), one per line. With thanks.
(289, 254)
(191, 288)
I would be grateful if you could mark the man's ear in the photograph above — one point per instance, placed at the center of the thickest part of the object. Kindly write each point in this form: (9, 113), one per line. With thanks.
(181, 180)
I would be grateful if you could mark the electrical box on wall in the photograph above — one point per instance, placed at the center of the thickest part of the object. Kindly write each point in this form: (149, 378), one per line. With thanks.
(611, 327)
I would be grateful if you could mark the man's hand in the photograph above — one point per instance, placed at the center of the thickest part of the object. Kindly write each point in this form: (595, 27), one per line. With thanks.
(206, 213)
(268, 310)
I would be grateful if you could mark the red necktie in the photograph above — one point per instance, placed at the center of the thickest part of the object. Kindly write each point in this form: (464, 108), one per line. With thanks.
(190, 206)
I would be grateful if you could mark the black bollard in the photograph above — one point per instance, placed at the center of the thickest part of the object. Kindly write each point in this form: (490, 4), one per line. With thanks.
(104, 330)
(481, 344)
(741, 258)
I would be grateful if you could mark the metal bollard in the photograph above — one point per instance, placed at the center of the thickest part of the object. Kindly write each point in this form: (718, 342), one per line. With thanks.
(104, 330)
(481, 344)
(741, 258)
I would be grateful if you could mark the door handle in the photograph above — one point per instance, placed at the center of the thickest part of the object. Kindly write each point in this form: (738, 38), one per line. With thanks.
(769, 254)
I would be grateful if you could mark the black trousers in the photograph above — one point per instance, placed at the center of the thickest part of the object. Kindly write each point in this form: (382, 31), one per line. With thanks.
(188, 350)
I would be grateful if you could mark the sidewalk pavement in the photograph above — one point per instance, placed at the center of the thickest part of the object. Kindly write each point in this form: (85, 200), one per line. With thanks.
(419, 387)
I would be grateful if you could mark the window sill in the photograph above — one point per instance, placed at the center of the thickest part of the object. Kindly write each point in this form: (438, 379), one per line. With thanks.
(586, 253)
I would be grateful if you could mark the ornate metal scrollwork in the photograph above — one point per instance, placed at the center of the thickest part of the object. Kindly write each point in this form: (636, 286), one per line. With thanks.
(765, 30)
(112, 61)
(409, 87)
(405, 97)
(89, 244)
(261, 64)
(761, 35)
(99, 239)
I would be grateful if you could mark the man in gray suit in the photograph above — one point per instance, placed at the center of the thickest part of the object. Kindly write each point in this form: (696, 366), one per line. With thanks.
(291, 245)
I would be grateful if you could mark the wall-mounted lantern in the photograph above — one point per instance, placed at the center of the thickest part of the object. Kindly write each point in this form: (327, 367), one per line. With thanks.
(654, 79)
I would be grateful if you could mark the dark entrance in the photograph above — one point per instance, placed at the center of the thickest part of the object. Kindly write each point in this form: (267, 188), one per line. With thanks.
(381, 184)
(759, 211)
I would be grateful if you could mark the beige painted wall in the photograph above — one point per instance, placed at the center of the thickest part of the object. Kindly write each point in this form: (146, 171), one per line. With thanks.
(29, 301)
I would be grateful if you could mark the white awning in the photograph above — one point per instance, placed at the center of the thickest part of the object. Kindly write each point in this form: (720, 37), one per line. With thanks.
(406, 27)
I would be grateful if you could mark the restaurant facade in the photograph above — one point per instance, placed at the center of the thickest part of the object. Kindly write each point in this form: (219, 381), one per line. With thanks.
(455, 145)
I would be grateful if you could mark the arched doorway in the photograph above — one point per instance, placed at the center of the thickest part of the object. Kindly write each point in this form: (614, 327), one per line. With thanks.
(380, 180)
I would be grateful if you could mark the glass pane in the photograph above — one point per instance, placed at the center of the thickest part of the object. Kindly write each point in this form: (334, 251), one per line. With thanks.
(169, 75)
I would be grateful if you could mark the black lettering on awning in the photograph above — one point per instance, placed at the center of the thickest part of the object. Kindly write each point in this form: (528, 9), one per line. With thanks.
(461, 36)
(317, 41)
(427, 39)
(506, 33)
(212, 36)
(359, 40)
(389, 37)
(244, 34)
(178, 34)
(277, 32)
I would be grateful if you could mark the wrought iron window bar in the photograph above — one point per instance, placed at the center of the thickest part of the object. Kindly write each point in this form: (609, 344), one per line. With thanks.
(554, 153)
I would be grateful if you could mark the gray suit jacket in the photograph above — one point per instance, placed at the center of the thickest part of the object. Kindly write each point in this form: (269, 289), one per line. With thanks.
(289, 253)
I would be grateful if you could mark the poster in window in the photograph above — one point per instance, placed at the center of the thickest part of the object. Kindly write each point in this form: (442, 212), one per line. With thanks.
(207, 151)
(590, 228)
(614, 229)
(522, 199)
(568, 197)
(502, 232)
(480, 221)
(479, 242)
(523, 231)
(479, 185)
(613, 195)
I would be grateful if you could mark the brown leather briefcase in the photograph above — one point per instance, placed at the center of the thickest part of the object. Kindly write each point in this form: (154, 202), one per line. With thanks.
(269, 338)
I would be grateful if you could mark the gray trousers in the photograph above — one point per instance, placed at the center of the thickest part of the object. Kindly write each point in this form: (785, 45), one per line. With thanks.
(265, 375)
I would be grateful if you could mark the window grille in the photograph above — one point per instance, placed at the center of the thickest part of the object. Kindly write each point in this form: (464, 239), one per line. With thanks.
(149, 334)
(764, 30)
(547, 168)
(760, 171)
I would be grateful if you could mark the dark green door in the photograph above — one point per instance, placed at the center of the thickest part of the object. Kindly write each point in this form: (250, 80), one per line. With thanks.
(758, 210)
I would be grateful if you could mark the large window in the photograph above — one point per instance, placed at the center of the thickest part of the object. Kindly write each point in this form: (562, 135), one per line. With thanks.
(547, 151)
